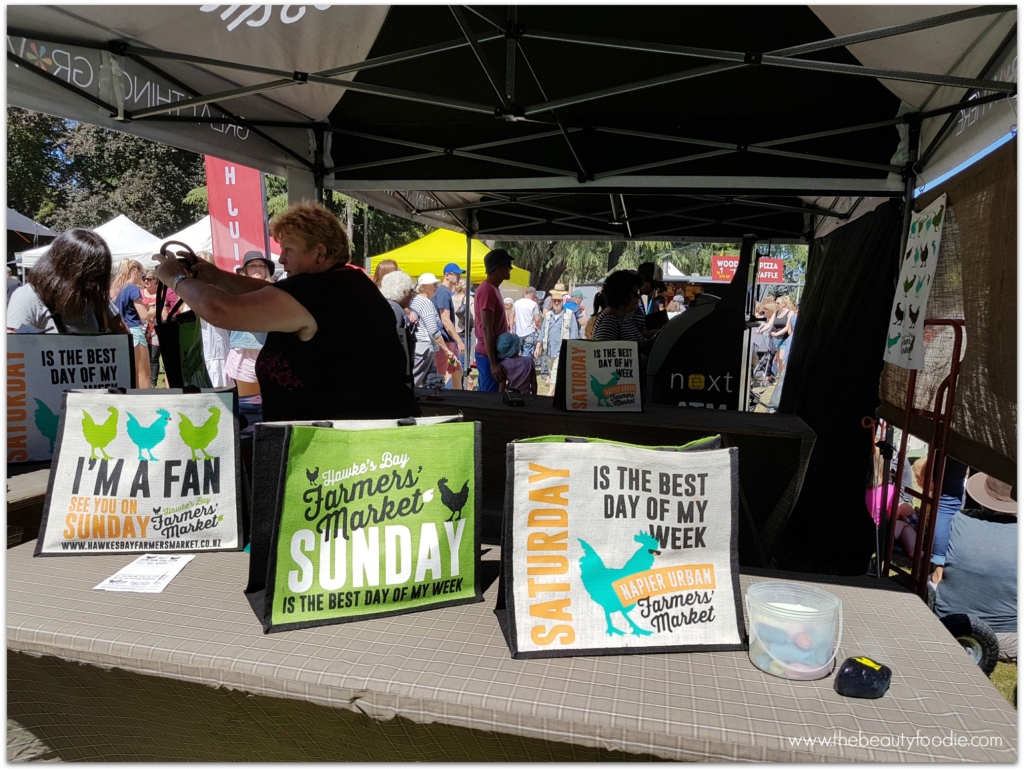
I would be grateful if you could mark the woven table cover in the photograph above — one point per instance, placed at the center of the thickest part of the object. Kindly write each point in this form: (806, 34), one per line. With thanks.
(188, 674)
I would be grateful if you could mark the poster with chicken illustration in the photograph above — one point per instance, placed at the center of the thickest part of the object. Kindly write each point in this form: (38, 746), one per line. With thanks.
(145, 471)
(40, 368)
(904, 344)
(611, 548)
(598, 377)
(354, 520)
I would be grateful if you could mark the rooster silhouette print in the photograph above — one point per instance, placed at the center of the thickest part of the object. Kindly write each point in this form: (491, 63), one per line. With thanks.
(199, 437)
(99, 435)
(924, 256)
(454, 502)
(937, 219)
(599, 388)
(913, 316)
(598, 579)
(312, 475)
(148, 437)
(46, 422)
(893, 340)
(908, 284)
(899, 314)
(920, 284)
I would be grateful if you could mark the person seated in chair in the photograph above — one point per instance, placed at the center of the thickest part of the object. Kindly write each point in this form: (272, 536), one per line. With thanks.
(980, 576)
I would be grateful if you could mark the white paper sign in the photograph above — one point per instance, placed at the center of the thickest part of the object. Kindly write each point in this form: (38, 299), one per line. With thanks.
(904, 345)
(614, 548)
(598, 376)
(40, 368)
(149, 573)
(143, 472)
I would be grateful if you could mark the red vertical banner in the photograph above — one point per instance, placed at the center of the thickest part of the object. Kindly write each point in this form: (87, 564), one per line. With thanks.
(236, 211)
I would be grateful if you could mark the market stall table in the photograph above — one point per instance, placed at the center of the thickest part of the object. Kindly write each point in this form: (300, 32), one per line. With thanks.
(188, 675)
(774, 451)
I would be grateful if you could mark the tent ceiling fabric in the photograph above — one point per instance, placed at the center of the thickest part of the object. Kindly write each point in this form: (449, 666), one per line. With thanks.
(604, 122)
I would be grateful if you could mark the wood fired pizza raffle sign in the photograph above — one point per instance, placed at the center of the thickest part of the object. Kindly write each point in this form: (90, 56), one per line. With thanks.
(620, 549)
(142, 473)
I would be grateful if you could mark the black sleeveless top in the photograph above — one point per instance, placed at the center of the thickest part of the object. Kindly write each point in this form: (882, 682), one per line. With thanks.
(352, 368)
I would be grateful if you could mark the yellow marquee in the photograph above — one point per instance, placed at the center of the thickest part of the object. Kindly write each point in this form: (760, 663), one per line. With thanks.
(435, 250)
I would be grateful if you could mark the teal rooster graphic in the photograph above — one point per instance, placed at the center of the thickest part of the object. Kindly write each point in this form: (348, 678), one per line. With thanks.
(148, 437)
(919, 285)
(598, 387)
(99, 435)
(917, 255)
(46, 422)
(908, 283)
(199, 437)
(598, 579)
(894, 340)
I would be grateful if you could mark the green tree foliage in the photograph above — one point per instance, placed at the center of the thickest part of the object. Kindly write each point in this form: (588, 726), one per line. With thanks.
(35, 162)
(578, 262)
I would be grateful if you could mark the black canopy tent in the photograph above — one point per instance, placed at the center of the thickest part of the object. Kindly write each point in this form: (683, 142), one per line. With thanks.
(602, 122)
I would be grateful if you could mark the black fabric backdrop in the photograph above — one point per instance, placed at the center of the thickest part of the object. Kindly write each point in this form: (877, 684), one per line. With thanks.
(832, 383)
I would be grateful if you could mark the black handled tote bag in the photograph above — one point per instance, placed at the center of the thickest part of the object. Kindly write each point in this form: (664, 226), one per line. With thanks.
(355, 520)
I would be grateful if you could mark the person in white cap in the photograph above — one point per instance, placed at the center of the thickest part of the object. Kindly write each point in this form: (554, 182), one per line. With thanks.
(428, 331)
(980, 575)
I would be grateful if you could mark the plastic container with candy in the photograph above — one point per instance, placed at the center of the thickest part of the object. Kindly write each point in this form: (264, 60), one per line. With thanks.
(792, 629)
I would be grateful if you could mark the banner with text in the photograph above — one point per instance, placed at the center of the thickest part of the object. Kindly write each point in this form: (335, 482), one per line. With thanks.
(917, 269)
(362, 520)
(144, 472)
(769, 269)
(40, 368)
(611, 548)
(237, 215)
(598, 377)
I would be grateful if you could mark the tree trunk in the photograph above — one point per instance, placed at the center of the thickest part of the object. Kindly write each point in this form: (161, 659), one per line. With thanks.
(617, 250)
(348, 222)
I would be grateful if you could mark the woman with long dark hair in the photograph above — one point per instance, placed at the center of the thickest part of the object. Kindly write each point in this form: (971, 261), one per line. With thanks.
(67, 289)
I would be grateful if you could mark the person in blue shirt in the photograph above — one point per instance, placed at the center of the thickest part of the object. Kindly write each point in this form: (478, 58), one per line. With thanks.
(980, 574)
(452, 344)
(126, 292)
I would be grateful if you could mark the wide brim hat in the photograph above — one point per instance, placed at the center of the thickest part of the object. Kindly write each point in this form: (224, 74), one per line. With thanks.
(558, 292)
(507, 345)
(252, 257)
(992, 494)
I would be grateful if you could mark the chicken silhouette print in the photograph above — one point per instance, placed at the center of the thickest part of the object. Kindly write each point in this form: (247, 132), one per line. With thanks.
(454, 502)
(312, 475)
(899, 314)
(148, 437)
(924, 256)
(99, 435)
(908, 284)
(913, 316)
(199, 437)
(46, 422)
(599, 388)
(920, 284)
(937, 219)
(893, 340)
(598, 579)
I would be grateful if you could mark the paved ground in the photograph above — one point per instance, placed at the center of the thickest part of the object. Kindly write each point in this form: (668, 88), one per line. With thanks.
(24, 746)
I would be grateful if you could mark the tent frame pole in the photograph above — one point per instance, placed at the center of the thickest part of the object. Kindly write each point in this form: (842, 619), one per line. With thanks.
(469, 299)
